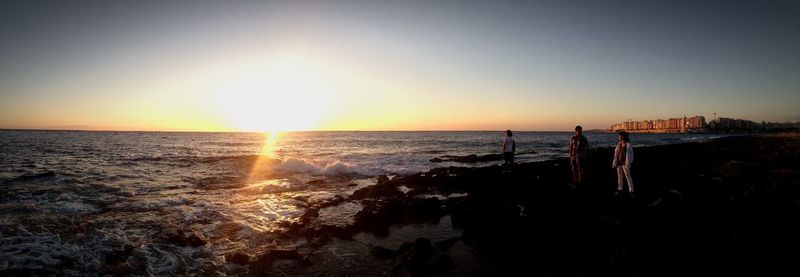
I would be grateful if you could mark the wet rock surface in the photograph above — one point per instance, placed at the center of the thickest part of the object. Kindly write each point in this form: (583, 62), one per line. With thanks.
(717, 207)
(473, 158)
(729, 206)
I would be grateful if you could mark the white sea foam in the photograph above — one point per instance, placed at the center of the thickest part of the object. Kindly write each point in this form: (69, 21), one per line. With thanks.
(72, 200)
(75, 207)
(443, 197)
(46, 253)
(293, 165)
(404, 189)
(162, 259)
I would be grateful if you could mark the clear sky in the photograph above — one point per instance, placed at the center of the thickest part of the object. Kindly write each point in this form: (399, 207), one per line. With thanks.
(393, 65)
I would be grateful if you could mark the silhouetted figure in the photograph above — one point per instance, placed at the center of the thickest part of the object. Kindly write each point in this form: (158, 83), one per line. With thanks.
(578, 152)
(509, 147)
(623, 158)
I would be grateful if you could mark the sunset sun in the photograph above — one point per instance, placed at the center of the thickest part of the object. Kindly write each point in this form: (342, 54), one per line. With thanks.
(283, 93)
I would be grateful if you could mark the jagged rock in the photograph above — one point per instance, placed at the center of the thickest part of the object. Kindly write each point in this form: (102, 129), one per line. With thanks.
(194, 240)
(180, 238)
(381, 252)
(444, 262)
(264, 262)
(382, 179)
(414, 257)
(733, 168)
(586, 226)
(447, 244)
(238, 258)
(381, 190)
(468, 158)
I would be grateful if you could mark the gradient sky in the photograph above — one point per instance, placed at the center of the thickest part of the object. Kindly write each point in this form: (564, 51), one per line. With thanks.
(394, 65)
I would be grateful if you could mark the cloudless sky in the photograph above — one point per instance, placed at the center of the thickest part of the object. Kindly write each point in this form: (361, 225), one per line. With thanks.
(393, 65)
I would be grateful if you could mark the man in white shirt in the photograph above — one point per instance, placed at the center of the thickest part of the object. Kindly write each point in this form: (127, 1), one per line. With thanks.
(509, 147)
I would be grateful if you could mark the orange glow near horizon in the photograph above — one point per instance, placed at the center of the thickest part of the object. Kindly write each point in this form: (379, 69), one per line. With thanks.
(267, 66)
(296, 89)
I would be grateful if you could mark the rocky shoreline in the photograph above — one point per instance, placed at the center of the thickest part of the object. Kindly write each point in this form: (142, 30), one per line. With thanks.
(730, 205)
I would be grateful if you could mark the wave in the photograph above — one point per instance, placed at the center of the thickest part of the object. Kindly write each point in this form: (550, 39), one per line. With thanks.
(37, 176)
(293, 165)
(296, 165)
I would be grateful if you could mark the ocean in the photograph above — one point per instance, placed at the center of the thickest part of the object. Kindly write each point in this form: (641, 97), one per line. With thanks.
(74, 202)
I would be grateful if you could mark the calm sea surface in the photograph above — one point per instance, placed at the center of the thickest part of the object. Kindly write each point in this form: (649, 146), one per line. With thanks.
(70, 200)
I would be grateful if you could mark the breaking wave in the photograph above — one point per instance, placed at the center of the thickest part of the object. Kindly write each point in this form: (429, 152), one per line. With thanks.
(293, 165)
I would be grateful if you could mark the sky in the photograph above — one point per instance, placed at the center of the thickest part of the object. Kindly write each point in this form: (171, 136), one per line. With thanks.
(393, 65)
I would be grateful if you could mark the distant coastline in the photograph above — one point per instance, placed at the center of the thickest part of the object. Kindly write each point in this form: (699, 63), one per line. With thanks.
(697, 124)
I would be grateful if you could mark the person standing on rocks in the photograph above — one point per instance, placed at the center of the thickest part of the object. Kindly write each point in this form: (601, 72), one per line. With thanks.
(509, 147)
(578, 152)
(623, 158)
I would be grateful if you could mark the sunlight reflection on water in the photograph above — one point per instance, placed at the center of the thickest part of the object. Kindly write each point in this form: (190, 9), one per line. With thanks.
(183, 201)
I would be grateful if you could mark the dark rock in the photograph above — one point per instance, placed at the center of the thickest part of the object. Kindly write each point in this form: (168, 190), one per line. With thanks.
(677, 222)
(384, 190)
(466, 159)
(116, 261)
(422, 249)
(264, 262)
(444, 262)
(194, 240)
(283, 254)
(733, 168)
(382, 179)
(180, 238)
(376, 217)
(383, 253)
(490, 158)
(459, 159)
(417, 262)
(405, 247)
(447, 244)
(238, 258)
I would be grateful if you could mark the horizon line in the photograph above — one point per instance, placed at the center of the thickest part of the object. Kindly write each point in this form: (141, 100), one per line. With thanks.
(288, 131)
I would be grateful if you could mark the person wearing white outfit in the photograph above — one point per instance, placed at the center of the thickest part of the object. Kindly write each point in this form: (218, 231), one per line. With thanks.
(509, 147)
(623, 158)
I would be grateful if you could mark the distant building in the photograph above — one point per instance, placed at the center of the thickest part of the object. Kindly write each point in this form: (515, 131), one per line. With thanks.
(685, 124)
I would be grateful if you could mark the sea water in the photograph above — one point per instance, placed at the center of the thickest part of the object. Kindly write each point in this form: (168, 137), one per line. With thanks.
(75, 202)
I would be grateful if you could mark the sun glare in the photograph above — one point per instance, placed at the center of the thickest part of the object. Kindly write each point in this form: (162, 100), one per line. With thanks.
(283, 93)
(270, 142)
(266, 156)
